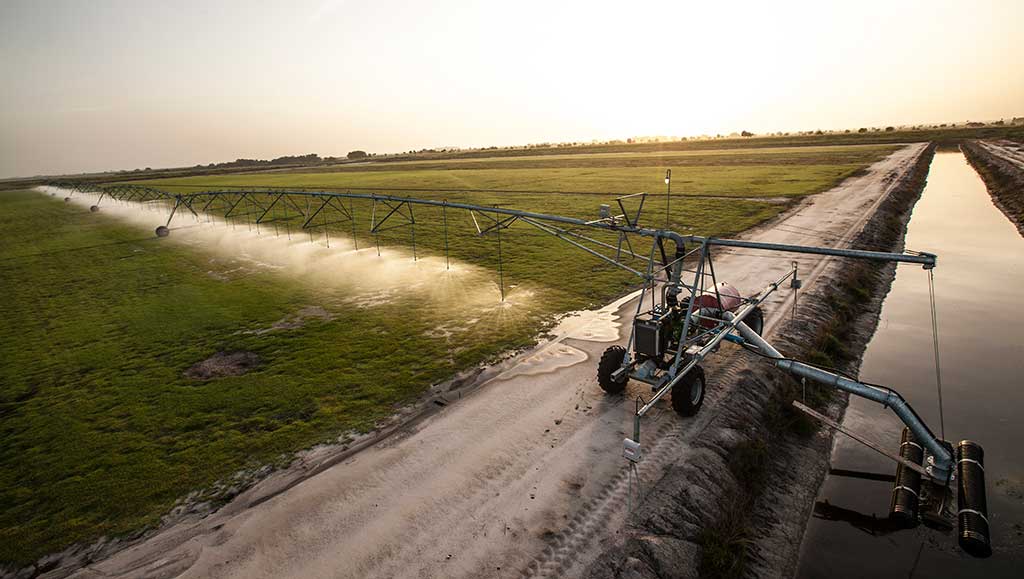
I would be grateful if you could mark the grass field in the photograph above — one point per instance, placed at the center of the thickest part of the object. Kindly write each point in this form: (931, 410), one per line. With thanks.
(102, 431)
(697, 149)
(731, 173)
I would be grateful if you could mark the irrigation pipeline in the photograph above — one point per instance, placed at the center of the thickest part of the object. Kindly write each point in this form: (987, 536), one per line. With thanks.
(731, 197)
(618, 224)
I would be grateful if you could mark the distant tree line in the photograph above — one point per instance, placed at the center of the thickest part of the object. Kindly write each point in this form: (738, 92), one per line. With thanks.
(309, 159)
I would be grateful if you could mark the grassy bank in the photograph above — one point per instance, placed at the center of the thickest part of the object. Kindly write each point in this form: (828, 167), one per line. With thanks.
(1005, 182)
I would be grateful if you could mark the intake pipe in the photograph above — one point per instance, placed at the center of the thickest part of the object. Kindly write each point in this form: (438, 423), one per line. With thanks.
(972, 513)
(676, 274)
(906, 489)
(941, 461)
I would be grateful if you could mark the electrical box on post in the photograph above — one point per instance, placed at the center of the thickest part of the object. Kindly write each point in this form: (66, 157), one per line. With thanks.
(631, 450)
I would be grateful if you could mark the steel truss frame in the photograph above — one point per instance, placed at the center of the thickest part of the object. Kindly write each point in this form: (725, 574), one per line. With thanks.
(288, 206)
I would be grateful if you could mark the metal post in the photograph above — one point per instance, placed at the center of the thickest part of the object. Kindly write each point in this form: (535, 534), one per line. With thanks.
(327, 235)
(173, 210)
(248, 213)
(412, 225)
(668, 198)
(257, 220)
(697, 277)
(444, 215)
(306, 215)
(501, 273)
(288, 228)
(352, 217)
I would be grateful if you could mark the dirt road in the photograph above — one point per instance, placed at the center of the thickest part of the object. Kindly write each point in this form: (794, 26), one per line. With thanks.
(522, 477)
(1012, 153)
(1001, 166)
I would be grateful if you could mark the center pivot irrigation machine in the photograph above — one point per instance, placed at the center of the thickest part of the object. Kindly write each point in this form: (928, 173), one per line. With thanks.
(685, 322)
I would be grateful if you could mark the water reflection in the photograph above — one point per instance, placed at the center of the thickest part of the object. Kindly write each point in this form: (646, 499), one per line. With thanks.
(978, 280)
(870, 524)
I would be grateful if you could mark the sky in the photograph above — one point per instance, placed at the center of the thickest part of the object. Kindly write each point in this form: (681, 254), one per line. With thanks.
(92, 85)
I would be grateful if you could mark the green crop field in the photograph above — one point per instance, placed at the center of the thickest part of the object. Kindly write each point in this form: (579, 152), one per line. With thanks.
(102, 427)
(733, 173)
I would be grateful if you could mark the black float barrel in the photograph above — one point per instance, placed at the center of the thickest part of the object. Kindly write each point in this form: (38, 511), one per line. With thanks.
(972, 513)
(907, 487)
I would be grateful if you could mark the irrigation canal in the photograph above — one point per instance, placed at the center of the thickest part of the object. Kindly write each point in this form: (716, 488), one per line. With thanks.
(978, 284)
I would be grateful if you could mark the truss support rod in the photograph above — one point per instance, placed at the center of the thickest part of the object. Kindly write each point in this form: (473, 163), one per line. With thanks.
(235, 204)
(444, 217)
(687, 320)
(501, 272)
(315, 213)
(352, 216)
(269, 207)
(208, 203)
(502, 224)
(552, 231)
(296, 205)
(412, 225)
(618, 249)
(327, 233)
(188, 204)
(375, 226)
(173, 210)
(340, 207)
(625, 214)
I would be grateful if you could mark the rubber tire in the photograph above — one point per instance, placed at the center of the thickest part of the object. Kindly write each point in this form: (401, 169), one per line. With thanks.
(611, 361)
(682, 393)
(163, 231)
(755, 321)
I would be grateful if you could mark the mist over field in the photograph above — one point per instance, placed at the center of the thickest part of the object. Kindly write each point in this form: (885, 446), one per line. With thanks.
(366, 277)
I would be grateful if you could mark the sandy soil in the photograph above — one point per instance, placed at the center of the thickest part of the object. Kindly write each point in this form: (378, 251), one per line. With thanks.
(1009, 151)
(522, 476)
(1001, 165)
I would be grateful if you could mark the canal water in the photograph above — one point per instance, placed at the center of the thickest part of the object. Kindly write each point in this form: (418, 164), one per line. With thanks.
(979, 285)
